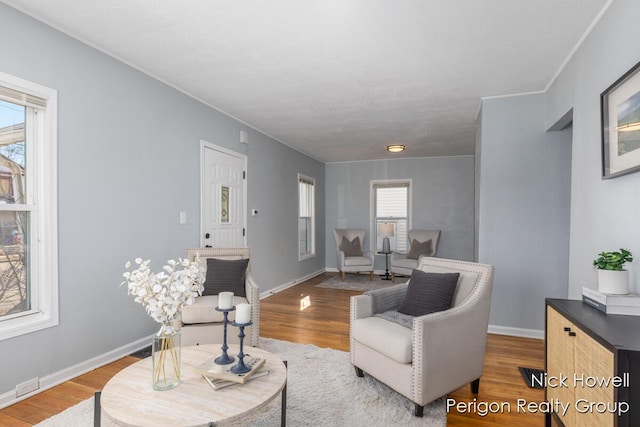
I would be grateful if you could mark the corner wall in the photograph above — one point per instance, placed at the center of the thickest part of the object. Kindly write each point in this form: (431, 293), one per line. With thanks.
(605, 213)
(523, 217)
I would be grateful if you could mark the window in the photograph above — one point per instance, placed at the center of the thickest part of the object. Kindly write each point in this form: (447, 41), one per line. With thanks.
(306, 217)
(391, 206)
(28, 221)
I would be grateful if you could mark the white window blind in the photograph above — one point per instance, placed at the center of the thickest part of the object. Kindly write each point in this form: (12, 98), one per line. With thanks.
(391, 206)
(21, 98)
(306, 216)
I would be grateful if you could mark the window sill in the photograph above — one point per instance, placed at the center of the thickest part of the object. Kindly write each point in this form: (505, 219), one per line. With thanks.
(306, 256)
(26, 324)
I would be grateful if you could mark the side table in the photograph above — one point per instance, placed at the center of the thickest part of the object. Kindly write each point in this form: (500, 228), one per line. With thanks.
(386, 275)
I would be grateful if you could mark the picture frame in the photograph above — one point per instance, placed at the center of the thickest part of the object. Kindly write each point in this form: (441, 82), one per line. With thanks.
(620, 112)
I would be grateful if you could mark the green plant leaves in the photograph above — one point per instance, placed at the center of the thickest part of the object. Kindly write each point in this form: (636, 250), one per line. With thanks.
(612, 260)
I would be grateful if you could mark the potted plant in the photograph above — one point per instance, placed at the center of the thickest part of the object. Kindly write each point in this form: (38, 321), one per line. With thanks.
(612, 278)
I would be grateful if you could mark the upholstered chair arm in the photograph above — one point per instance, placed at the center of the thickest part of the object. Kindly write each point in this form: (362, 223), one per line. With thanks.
(340, 256)
(253, 297)
(251, 288)
(389, 298)
(461, 336)
(369, 255)
(361, 307)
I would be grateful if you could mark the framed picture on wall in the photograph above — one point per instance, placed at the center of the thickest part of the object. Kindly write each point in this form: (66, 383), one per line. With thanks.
(620, 109)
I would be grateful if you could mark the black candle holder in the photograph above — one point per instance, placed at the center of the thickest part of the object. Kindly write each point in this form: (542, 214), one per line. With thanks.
(240, 367)
(224, 358)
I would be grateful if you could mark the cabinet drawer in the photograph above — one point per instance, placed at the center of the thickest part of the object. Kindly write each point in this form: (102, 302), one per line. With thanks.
(588, 369)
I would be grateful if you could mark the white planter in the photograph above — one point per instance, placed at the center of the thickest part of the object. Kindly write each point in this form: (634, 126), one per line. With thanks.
(613, 281)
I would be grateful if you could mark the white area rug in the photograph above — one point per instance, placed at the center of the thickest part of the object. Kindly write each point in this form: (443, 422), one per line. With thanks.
(358, 282)
(323, 390)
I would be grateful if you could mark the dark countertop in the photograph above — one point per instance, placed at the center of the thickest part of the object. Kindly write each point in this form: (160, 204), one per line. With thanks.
(611, 330)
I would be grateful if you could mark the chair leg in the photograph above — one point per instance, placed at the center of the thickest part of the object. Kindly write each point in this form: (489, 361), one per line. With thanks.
(342, 276)
(418, 410)
(359, 372)
(475, 386)
(371, 276)
(393, 278)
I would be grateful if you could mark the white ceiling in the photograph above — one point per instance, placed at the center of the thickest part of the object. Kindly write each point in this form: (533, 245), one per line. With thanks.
(338, 79)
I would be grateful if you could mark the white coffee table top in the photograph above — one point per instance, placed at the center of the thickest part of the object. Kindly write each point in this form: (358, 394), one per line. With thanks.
(128, 398)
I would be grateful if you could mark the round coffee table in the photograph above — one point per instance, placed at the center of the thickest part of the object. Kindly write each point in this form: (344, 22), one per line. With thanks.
(128, 398)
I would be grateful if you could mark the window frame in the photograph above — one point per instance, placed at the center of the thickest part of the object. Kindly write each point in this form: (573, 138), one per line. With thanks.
(373, 242)
(312, 244)
(41, 203)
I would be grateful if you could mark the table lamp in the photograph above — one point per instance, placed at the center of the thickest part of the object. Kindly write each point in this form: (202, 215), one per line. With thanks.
(385, 231)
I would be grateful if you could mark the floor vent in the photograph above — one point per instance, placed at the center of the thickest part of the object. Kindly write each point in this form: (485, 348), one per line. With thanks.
(141, 354)
(535, 378)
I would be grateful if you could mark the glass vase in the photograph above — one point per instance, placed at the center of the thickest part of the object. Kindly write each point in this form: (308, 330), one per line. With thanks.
(166, 358)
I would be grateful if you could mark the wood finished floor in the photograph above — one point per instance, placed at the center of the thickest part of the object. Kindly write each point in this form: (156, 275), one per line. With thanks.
(325, 323)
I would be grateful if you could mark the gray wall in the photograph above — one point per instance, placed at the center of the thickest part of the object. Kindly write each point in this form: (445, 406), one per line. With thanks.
(604, 213)
(443, 193)
(273, 234)
(523, 221)
(128, 162)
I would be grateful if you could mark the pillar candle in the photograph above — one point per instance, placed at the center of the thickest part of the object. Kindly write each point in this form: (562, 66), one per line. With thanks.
(243, 313)
(225, 300)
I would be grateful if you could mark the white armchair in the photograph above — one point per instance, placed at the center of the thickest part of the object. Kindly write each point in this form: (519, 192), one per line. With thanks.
(356, 261)
(400, 264)
(436, 353)
(201, 323)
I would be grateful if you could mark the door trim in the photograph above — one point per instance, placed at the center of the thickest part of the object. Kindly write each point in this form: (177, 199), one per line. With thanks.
(208, 145)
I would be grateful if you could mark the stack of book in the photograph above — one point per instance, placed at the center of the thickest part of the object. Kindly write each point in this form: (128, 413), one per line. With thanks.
(219, 383)
(628, 304)
(220, 376)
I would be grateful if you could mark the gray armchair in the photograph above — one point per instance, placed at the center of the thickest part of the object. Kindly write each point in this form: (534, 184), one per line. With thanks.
(399, 264)
(361, 261)
(438, 352)
(201, 323)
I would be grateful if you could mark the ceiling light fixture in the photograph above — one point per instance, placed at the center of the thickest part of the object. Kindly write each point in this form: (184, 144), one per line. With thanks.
(395, 148)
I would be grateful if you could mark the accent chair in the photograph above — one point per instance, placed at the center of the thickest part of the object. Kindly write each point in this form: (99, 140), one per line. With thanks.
(352, 258)
(200, 322)
(403, 263)
(424, 357)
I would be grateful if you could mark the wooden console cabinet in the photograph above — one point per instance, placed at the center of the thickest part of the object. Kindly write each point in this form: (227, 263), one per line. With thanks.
(593, 366)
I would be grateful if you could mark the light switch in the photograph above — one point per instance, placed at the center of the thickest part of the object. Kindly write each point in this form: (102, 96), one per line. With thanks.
(183, 217)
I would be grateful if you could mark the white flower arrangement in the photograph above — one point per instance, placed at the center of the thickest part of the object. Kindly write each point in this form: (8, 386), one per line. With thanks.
(164, 294)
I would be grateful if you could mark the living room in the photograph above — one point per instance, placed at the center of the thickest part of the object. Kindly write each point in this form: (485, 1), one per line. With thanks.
(531, 201)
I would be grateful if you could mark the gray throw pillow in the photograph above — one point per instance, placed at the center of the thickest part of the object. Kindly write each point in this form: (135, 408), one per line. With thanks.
(429, 292)
(225, 275)
(420, 248)
(351, 248)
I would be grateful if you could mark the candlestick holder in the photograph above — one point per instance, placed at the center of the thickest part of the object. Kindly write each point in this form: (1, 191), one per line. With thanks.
(240, 367)
(224, 358)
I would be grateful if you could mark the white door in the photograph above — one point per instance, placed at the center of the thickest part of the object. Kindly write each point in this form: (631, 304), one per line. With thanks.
(223, 197)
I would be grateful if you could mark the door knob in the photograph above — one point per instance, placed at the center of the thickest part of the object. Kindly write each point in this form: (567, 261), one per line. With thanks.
(206, 236)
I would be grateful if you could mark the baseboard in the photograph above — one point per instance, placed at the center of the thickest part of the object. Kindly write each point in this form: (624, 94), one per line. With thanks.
(516, 332)
(59, 377)
(287, 285)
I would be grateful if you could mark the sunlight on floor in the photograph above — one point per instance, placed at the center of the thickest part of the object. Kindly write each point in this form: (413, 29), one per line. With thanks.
(305, 302)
